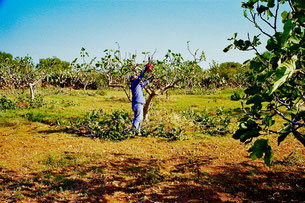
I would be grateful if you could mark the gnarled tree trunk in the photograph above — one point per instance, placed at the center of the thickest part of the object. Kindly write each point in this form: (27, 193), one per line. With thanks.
(147, 104)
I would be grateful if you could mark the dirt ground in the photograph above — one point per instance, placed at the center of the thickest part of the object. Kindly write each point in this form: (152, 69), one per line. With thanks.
(41, 163)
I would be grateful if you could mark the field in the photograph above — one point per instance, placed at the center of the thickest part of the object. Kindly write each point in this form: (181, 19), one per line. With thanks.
(42, 160)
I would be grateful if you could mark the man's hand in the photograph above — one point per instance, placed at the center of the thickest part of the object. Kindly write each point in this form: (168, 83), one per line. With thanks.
(149, 67)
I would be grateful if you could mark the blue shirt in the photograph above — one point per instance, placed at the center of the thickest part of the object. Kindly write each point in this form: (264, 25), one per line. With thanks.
(137, 89)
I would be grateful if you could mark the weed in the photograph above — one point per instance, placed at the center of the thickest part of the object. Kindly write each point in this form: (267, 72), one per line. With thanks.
(101, 92)
(65, 103)
(152, 176)
(60, 162)
(18, 195)
(99, 170)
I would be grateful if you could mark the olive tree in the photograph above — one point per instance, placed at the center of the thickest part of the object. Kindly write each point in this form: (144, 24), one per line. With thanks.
(277, 75)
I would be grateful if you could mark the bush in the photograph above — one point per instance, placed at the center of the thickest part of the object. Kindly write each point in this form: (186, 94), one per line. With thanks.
(211, 124)
(6, 103)
(34, 117)
(117, 126)
(98, 124)
(37, 102)
(166, 131)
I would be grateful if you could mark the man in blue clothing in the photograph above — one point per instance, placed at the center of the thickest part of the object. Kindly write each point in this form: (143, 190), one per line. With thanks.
(138, 97)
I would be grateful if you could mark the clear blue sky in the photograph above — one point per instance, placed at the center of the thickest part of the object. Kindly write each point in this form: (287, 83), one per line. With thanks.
(46, 28)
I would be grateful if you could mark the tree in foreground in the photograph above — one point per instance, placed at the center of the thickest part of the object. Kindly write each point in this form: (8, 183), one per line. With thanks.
(277, 75)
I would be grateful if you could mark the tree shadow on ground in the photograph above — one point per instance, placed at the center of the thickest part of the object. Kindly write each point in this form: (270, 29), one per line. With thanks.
(253, 183)
(59, 130)
(173, 179)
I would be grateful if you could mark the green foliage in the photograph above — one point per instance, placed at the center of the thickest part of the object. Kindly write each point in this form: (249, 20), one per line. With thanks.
(53, 65)
(5, 57)
(34, 117)
(228, 74)
(21, 102)
(6, 103)
(116, 126)
(98, 124)
(37, 102)
(166, 131)
(261, 148)
(212, 124)
(276, 83)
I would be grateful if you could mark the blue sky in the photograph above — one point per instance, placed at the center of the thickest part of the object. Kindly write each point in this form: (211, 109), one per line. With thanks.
(46, 28)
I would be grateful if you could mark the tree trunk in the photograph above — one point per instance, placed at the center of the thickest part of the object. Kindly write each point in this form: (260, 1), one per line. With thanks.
(147, 104)
(32, 91)
(85, 86)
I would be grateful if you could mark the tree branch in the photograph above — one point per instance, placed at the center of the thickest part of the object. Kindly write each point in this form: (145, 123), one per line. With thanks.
(267, 22)
(256, 25)
(287, 119)
(170, 86)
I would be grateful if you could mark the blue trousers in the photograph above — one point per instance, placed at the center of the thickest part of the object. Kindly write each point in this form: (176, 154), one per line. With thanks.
(138, 116)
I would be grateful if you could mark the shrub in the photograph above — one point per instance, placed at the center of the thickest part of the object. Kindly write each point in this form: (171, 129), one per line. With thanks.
(211, 124)
(37, 102)
(34, 117)
(117, 126)
(166, 131)
(6, 103)
(98, 124)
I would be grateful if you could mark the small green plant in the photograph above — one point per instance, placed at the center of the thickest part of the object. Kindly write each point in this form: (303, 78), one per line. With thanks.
(62, 161)
(152, 175)
(19, 195)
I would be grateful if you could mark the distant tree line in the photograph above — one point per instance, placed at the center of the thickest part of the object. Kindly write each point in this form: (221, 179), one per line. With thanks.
(113, 71)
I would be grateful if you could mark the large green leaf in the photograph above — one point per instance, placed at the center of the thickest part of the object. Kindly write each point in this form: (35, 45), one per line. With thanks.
(247, 130)
(287, 28)
(285, 71)
(261, 147)
(285, 132)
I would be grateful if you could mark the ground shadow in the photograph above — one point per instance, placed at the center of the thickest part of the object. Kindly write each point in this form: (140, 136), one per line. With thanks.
(173, 179)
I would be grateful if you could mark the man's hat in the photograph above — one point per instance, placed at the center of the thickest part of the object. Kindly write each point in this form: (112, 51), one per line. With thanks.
(131, 77)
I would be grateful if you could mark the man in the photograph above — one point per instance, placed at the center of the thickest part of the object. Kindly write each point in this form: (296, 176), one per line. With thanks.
(138, 97)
